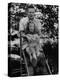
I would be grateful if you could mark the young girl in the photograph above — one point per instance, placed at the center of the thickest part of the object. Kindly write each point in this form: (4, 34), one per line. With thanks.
(33, 41)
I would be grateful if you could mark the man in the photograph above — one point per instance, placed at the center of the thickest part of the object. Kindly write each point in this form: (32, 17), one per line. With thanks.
(30, 17)
(22, 26)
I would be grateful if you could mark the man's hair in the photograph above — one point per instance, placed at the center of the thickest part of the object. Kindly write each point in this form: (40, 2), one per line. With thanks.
(30, 6)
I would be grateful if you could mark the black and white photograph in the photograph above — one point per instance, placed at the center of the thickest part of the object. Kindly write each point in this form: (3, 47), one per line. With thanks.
(33, 39)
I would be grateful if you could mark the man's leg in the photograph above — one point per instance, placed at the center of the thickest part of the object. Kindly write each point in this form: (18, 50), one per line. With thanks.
(42, 64)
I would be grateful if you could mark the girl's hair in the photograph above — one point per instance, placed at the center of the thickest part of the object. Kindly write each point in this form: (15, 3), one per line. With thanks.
(27, 29)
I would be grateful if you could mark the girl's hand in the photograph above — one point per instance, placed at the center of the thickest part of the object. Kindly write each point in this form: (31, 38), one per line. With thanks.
(29, 39)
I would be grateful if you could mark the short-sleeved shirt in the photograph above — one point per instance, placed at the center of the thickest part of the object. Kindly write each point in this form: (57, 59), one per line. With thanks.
(23, 23)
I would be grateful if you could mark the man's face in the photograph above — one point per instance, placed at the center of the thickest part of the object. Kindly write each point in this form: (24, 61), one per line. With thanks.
(31, 12)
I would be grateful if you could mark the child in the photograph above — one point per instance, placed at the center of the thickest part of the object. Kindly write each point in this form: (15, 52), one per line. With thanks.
(33, 41)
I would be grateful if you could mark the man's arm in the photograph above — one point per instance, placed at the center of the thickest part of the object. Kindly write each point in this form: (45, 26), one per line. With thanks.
(21, 25)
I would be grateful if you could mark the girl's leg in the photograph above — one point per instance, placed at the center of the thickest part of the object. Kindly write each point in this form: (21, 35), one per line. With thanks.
(37, 51)
(29, 53)
(33, 53)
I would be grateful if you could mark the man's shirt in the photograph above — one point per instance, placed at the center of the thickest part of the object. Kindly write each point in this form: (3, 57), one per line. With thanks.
(23, 23)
